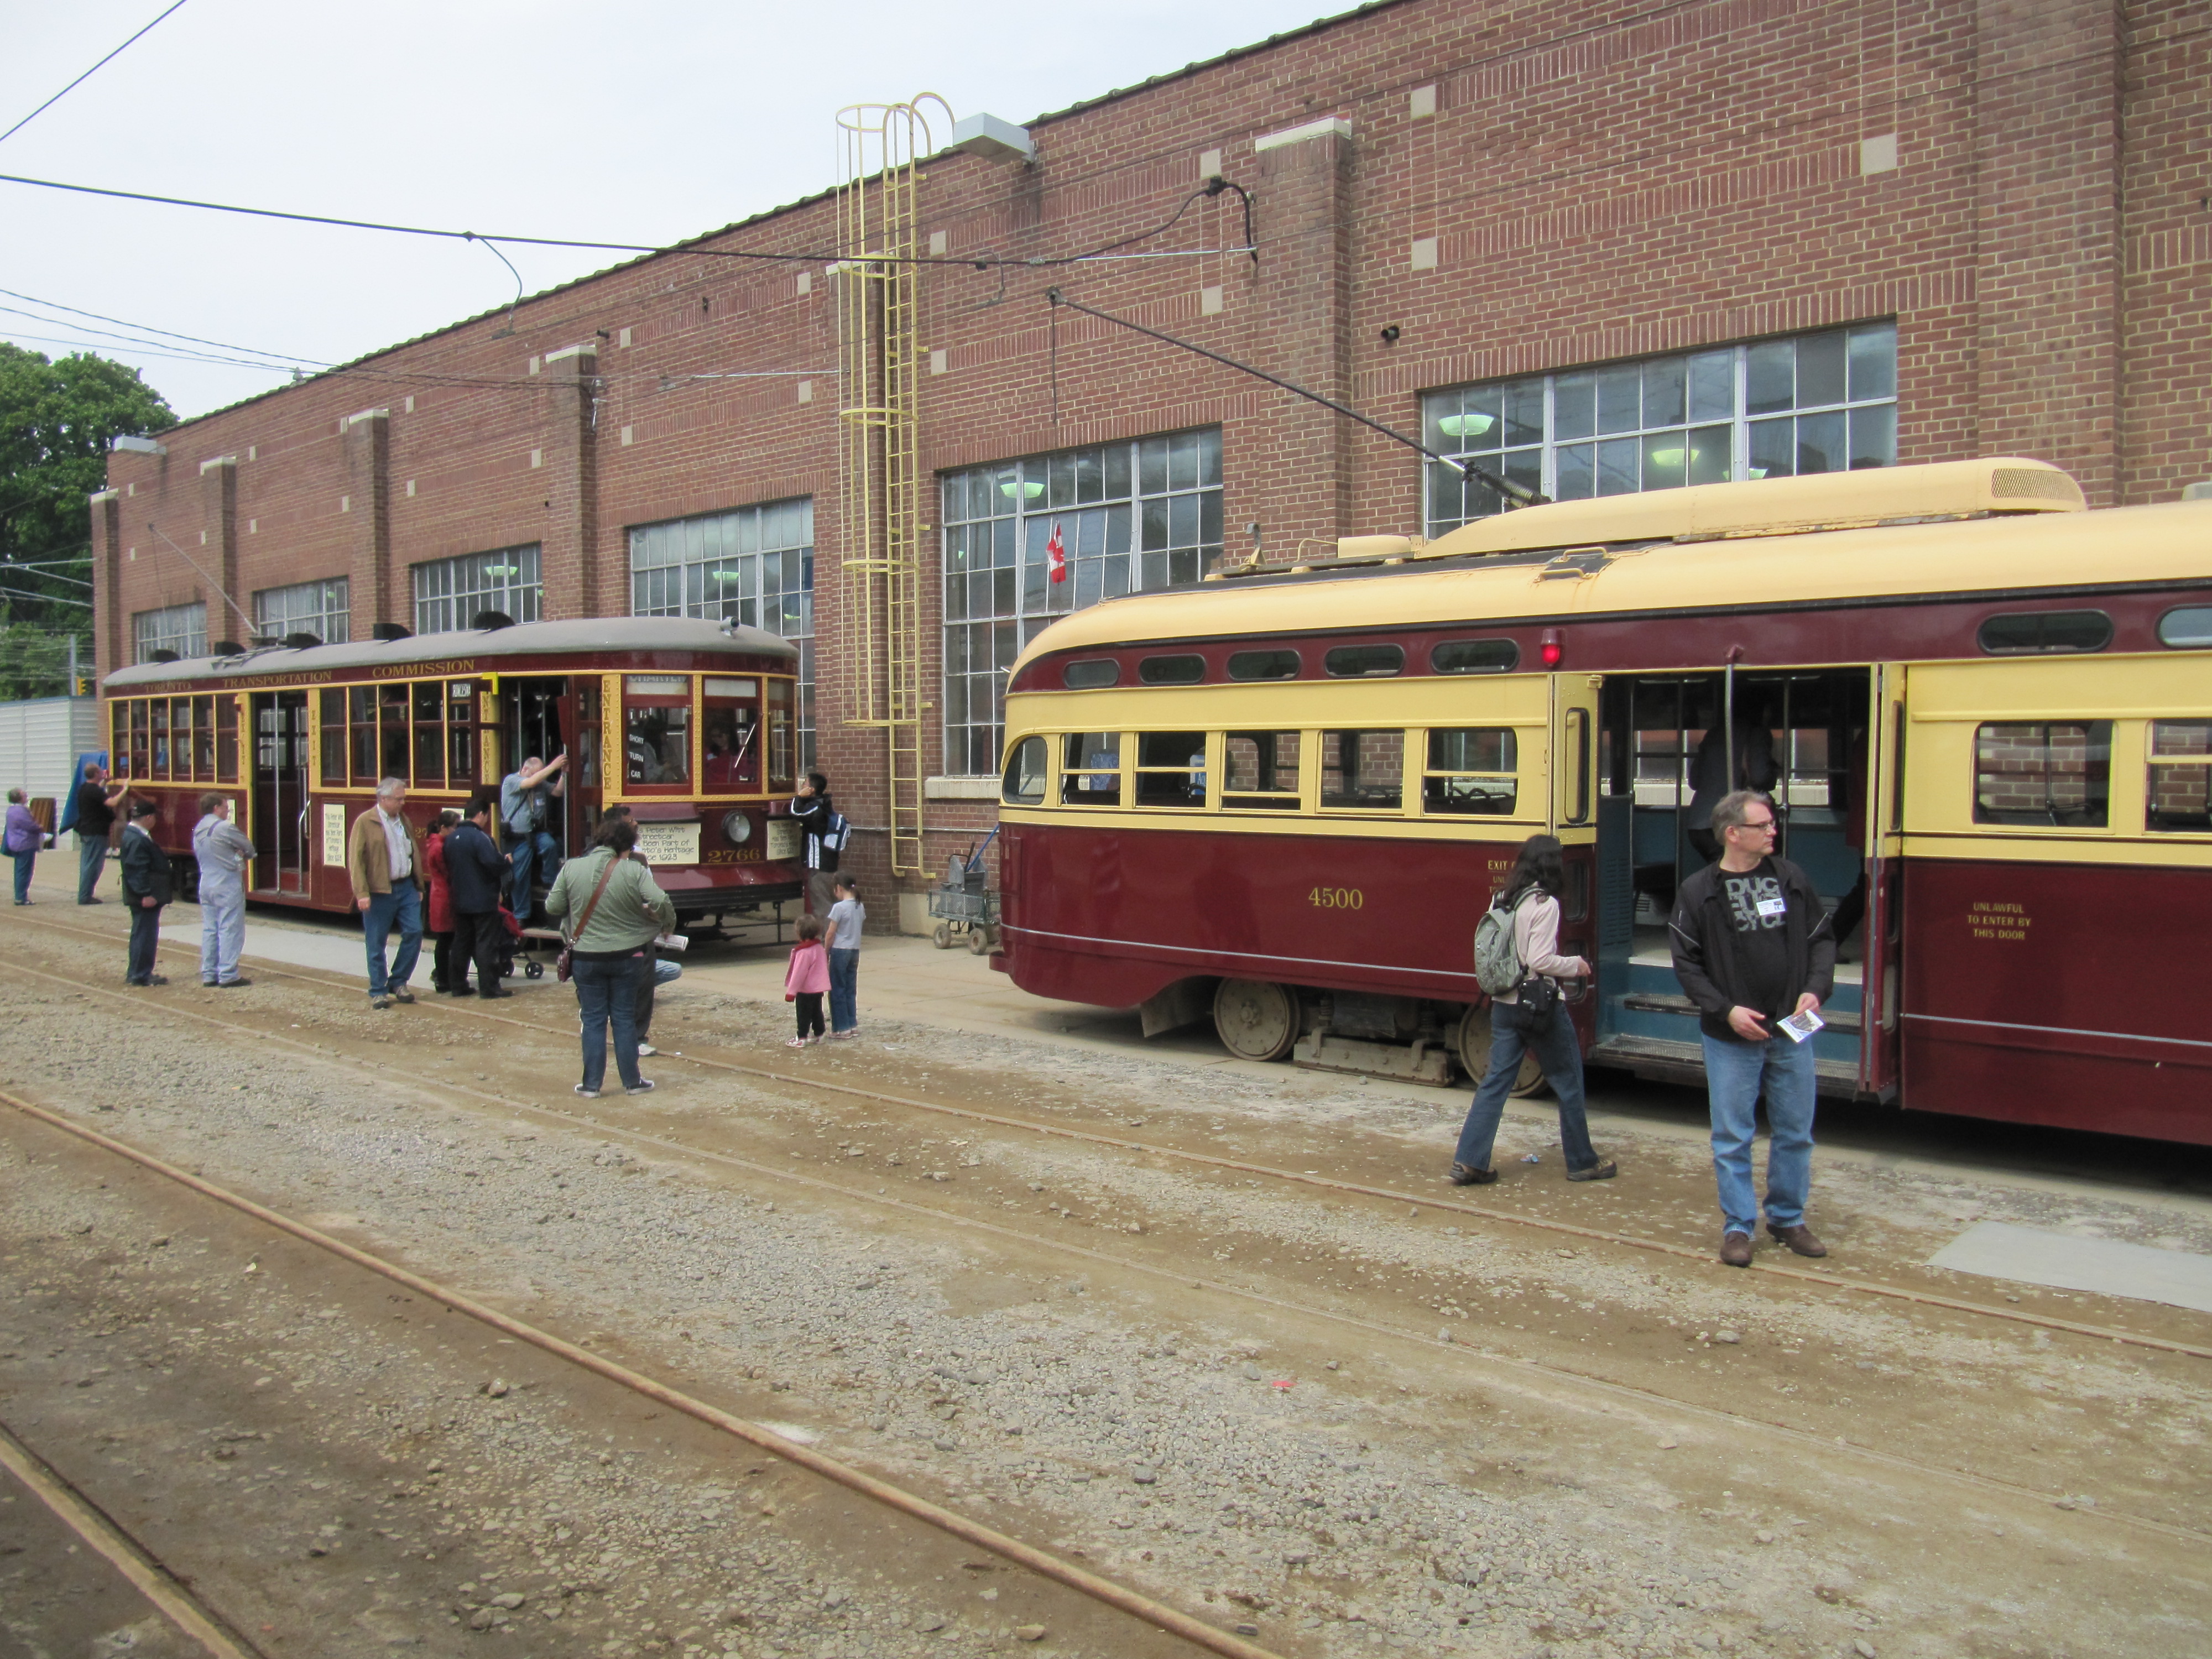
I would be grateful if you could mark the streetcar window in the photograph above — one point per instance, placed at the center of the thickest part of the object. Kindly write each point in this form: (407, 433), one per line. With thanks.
(1363, 771)
(1357, 661)
(1475, 657)
(1091, 768)
(2180, 797)
(2056, 775)
(1171, 769)
(729, 715)
(2035, 632)
(203, 740)
(159, 712)
(429, 699)
(361, 721)
(461, 739)
(1188, 670)
(1024, 779)
(782, 733)
(392, 704)
(1260, 771)
(1471, 770)
(2189, 627)
(657, 729)
(226, 739)
(1264, 666)
(141, 761)
(330, 706)
(1090, 675)
(118, 738)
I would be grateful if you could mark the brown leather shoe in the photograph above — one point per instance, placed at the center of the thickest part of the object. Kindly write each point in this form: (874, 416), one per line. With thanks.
(1466, 1174)
(1799, 1238)
(1736, 1249)
(1603, 1169)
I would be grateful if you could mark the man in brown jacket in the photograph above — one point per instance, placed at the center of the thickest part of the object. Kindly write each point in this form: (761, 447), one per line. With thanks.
(384, 859)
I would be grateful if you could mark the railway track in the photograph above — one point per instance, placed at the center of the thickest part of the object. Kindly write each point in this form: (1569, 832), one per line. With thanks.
(1511, 1372)
(1855, 1284)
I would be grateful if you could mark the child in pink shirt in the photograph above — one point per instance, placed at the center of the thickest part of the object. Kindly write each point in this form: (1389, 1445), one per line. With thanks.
(805, 982)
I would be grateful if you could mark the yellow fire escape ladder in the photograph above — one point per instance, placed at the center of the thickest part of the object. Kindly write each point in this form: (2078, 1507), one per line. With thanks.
(879, 467)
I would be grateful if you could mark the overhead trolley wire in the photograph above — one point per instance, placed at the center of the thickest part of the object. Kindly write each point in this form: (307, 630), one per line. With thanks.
(88, 74)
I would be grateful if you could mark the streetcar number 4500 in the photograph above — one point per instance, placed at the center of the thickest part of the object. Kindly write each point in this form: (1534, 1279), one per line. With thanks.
(1336, 898)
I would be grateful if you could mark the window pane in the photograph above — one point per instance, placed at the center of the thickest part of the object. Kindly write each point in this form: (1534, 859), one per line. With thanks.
(1262, 770)
(1819, 370)
(1772, 448)
(1024, 785)
(1363, 769)
(1771, 377)
(1523, 409)
(1874, 362)
(1873, 436)
(1089, 765)
(1477, 764)
(1359, 661)
(2189, 627)
(1821, 443)
(1713, 385)
(1620, 402)
(2056, 776)
(1666, 461)
(1474, 749)
(1576, 464)
(1264, 666)
(656, 742)
(1475, 657)
(1574, 406)
(1617, 472)
(1180, 670)
(1712, 455)
(1664, 390)
(1086, 676)
(1171, 769)
(2027, 633)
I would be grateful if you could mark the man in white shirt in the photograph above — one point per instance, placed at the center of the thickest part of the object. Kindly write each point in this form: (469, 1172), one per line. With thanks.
(223, 852)
(384, 859)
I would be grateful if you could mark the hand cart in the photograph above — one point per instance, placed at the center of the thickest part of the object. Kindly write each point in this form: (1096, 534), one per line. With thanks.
(962, 906)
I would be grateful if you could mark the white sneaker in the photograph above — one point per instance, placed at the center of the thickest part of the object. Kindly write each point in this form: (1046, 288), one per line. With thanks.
(645, 1048)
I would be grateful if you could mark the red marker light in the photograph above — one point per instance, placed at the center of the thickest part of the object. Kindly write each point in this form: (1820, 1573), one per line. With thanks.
(1551, 650)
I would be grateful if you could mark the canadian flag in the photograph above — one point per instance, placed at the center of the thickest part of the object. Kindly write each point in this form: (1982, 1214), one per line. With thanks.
(1055, 555)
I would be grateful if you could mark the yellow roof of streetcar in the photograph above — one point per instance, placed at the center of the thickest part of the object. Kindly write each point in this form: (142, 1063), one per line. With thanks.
(1989, 527)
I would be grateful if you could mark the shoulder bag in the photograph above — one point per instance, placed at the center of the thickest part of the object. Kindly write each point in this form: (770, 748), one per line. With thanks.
(564, 964)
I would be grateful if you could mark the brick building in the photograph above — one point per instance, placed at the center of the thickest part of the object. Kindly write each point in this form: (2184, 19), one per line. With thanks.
(1606, 248)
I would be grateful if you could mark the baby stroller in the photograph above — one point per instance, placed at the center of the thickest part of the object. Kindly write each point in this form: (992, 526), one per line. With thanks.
(503, 953)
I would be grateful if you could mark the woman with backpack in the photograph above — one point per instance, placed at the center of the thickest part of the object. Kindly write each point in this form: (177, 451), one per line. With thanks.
(1530, 1017)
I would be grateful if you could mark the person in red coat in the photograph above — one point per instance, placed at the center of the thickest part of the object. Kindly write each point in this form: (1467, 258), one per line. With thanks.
(442, 901)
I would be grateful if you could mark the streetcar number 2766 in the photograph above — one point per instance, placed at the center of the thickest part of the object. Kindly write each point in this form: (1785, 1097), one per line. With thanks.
(1336, 898)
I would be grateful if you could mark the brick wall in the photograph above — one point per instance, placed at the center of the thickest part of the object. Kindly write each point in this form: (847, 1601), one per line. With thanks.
(1522, 188)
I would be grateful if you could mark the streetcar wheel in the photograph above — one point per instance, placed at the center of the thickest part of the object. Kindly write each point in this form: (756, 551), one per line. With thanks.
(979, 942)
(1475, 1039)
(1256, 1020)
(534, 970)
(941, 936)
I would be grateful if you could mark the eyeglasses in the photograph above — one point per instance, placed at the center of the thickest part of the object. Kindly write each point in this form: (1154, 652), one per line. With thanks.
(1760, 827)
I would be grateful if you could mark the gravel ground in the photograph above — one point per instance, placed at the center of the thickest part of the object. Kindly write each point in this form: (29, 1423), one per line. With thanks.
(1336, 1492)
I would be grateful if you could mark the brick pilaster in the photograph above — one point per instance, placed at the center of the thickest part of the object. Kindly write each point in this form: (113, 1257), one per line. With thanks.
(219, 526)
(581, 579)
(111, 648)
(376, 590)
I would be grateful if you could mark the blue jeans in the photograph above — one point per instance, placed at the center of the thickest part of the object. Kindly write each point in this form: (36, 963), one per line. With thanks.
(23, 863)
(1735, 1072)
(222, 929)
(402, 905)
(844, 990)
(1559, 1054)
(530, 850)
(91, 855)
(607, 994)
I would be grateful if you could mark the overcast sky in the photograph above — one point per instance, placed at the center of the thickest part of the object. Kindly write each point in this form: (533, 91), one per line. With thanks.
(646, 122)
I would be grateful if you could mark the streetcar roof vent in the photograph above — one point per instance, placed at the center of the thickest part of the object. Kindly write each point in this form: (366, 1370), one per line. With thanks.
(226, 648)
(491, 621)
(164, 654)
(302, 641)
(1774, 507)
(390, 631)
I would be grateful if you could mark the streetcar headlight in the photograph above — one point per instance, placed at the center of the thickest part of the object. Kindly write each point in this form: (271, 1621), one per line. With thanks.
(736, 829)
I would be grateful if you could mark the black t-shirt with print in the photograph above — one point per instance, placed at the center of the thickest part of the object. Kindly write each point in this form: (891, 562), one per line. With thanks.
(94, 816)
(1758, 912)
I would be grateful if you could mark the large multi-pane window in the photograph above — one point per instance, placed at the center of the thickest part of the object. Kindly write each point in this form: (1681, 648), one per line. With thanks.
(178, 628)
(450, 594)
(1131, 518)
(1774, 409)
(755, 566)
(323, 609)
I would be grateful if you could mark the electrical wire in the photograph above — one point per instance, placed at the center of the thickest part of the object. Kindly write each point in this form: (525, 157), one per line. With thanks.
(148, 328)
(128, 339)
(798, 256)
(88, 74)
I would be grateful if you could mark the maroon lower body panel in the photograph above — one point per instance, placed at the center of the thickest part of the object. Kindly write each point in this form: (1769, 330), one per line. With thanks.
(2072, 995)
(1111, 916)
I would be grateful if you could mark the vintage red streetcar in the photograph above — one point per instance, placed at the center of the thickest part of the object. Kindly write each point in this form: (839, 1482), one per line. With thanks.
(691, 724)
(1281, 798)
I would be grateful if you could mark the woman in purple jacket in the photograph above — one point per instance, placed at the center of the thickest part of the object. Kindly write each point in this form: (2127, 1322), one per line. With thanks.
(22, 839)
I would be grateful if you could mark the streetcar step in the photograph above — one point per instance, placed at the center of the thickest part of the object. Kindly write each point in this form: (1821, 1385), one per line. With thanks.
(1665, 1060)
(1651, 1002)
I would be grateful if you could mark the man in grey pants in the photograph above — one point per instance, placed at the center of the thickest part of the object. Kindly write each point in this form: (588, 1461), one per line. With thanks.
(223, 852)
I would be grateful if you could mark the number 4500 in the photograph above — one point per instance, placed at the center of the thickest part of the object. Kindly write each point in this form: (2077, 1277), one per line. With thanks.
(1336, 898)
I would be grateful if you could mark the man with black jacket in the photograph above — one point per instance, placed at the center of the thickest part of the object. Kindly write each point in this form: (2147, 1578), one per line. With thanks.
(145, 889)
(475, 869)
(1752, 946)
(811, 810)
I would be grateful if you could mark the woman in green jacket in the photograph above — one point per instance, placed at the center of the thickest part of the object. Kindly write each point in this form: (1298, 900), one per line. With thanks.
(618, 912)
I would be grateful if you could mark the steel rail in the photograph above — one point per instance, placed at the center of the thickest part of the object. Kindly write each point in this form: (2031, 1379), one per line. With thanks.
(1644, 1398)
(106, 1538)
(1158, 1614)
(1329, 1183)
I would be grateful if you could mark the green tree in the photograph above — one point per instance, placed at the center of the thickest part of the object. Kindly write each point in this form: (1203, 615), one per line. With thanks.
(56, 420)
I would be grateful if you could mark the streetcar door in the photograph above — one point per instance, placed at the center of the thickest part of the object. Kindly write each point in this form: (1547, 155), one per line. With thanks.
(280, 791)
(1572, 816)
(539, 714)
(1883, 823)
